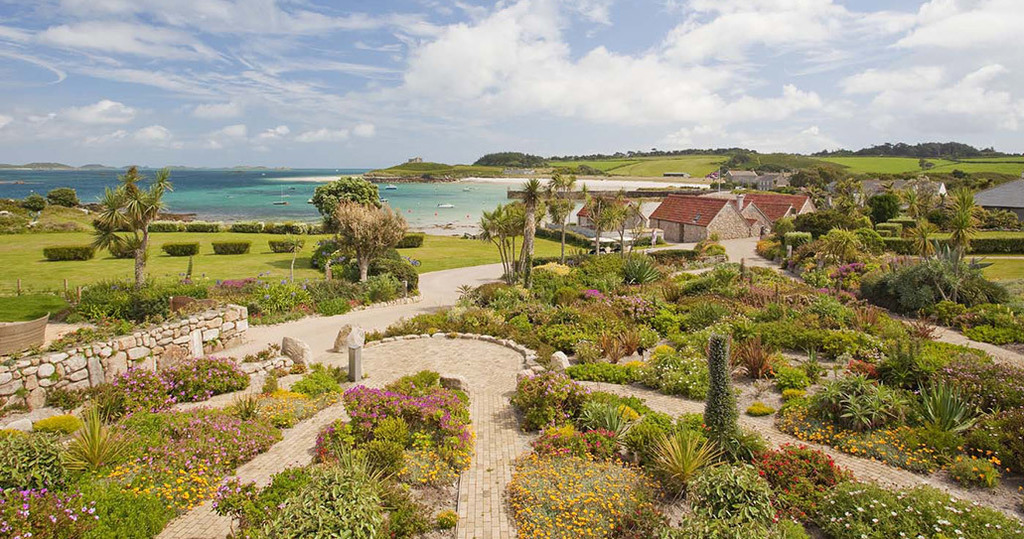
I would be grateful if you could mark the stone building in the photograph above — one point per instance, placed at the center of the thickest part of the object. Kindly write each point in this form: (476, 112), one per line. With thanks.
(687, 219)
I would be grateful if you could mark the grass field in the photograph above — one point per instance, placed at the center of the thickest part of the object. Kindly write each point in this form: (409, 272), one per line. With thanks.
(29, 307)
(899, 165)
(1004, 269)
(22, 256)
(697, 166)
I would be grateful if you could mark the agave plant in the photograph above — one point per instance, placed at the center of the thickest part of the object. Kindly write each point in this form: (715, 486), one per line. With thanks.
(678, 457)
(944, 408)
(94, 446)
(605, 416)
(640, 269)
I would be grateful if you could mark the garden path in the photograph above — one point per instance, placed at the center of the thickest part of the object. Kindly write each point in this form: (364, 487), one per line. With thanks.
(481, 508)
(863, 469)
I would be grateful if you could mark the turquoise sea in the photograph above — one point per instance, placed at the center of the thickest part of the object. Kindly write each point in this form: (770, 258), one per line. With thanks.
(232, 195)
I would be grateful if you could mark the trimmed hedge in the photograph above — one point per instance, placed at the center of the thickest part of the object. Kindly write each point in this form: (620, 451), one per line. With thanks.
(199, 226)
(231, 247)
(181, 249)
(166, 226)
(796, 239)
(69, 252)
(895, 229)
(980, 246)
(284, 228)
(571, 238)
(675, 256)
(905, 222)
(247, 228)
(411, 241)
(286, 246)
(120, 251)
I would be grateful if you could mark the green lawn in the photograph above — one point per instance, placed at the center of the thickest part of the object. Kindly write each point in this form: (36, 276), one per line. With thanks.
(29, 307)
(984, 234)
(22, 256)
(1005, 269)
(898, 165)
(697, 166)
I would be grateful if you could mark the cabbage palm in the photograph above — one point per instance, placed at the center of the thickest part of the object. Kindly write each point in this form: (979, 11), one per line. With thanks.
(127, 211)
(500, 227)
(532, 192)
(560, 204)
(963, 219)
(840, 245)
(923, 244)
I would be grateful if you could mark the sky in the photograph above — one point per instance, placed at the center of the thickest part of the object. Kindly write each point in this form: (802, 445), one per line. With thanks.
(368, 83)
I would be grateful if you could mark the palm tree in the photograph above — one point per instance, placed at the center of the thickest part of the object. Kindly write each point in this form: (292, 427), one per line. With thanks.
(913, 202)
(494, 227)
(531, 198)
(923, 245)
(840, 245)
(560, 205)
(962, 219)
(127, 212)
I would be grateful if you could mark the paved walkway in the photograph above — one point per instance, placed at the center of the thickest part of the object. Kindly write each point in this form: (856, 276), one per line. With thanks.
(490, 371)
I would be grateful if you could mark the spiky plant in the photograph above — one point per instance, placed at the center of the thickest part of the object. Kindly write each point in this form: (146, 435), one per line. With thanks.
(246, 407)
(944, 408)
(680, 456)
(720, 412)
(606, 416)
(94, 446)
(640, 269)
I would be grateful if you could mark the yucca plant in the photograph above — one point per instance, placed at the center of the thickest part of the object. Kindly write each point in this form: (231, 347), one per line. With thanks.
(944, 408)
(605, 416)
(94, 446)
(246, 407)
(678, 457)
(640, 269)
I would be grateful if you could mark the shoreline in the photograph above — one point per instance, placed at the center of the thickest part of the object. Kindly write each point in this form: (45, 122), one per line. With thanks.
(598, 183)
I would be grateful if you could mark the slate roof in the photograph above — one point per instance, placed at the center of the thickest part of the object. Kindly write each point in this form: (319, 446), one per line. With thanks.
(1007, 195)
(690, 210)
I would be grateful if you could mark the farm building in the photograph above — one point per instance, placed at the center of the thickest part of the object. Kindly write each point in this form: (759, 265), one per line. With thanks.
(765, 182)
(1008, 196)
(687, 219)
(773, 206)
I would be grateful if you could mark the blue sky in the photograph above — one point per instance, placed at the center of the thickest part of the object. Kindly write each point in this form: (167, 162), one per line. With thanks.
(307, 83)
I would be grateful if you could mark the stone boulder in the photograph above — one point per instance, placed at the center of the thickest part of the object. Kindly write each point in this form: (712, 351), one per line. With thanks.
(24, 425)
(559, 361)
(297, 350)
(341, 341)
(455, 382)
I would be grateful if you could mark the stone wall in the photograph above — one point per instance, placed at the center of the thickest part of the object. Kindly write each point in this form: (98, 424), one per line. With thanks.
(156, 348)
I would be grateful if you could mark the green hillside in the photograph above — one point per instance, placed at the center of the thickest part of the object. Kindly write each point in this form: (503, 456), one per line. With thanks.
(697, 166)
(436, 170)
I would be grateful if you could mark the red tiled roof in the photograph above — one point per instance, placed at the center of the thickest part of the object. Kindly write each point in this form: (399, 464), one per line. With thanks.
(797, 201)
(773, 211)
(689, 210)
(751, 220)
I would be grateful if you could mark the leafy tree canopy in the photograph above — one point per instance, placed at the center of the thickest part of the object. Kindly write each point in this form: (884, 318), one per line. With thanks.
(327, 197)
(511, 159)
(884, 207)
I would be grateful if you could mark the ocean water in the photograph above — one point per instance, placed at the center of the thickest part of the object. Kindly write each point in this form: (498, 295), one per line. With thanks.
(229, 195)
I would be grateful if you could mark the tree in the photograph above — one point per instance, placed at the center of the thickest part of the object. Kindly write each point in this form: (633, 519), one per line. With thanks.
(500, 227)
(327, 197)
(368, 231)
(847, 195)
(602, 214)
(532, 193)
(559, 204)
(963, 219)
(840, 245)
(63, 196)
(126, 213)
(923, 244)
(34, 202)
(913, 202)
(884, 207)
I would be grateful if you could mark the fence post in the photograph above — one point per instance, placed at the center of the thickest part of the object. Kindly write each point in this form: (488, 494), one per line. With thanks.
(65, 286)
(19, 286)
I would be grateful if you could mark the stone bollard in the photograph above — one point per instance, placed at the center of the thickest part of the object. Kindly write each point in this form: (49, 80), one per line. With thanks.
(356, 339)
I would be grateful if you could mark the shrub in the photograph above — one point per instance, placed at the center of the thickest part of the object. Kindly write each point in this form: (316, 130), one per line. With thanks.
(231, 247)
(945, 409)
(198, 379)
(69, 252)
(856, 403)
(796, 239)
(606, 372)
(411, 241)
(31, 462)
(181, 249)
(567, 441)
(247, 228)
(799, 477)
(317, 382)
(199, 226)
(45, 514)
(732, 492)
(381, 288)
(895, 229)
(760, 409)
(1000, 436)
(34, 202)
(854, 510)
(120, 251)
(791, 378)
(166, 226)
(65, 399)
(284, 228)
(680, 456)
(122, 513)
(974, 472)
(988, 385)
(286, 246)
(640, 269)
(790, 394)
(333, 307)
(120, 300)
(94, 446)
(63, 196)
(674, 374)
(337, 501)
(548, 399)
(61, 424)
(137, 390)
(572, 497)
(756, 359)
(401, 270)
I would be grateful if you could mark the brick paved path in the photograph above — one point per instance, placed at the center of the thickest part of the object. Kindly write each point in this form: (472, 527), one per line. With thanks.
(490, 371)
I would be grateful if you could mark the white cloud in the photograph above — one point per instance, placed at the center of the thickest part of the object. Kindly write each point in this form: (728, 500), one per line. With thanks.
(102, 112)
(4, 120)
(232, 131)
(156, 135)
(595, 11)
(966, 24)
(879, 80)
(364, 130)
(231, 109)
(275, 132)
(100, 140)
(323, 135)
(131, 38)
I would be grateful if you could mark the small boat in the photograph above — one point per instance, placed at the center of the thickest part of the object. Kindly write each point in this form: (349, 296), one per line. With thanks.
(466, 189)
(446, 205)
(390, 187)
(310, 201)
(281, 202)
(384, 200)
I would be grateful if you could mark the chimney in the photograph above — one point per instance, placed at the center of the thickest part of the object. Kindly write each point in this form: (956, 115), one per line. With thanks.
(739, 202)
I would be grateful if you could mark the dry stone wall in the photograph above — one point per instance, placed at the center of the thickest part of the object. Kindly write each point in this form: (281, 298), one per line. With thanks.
(156, 348)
